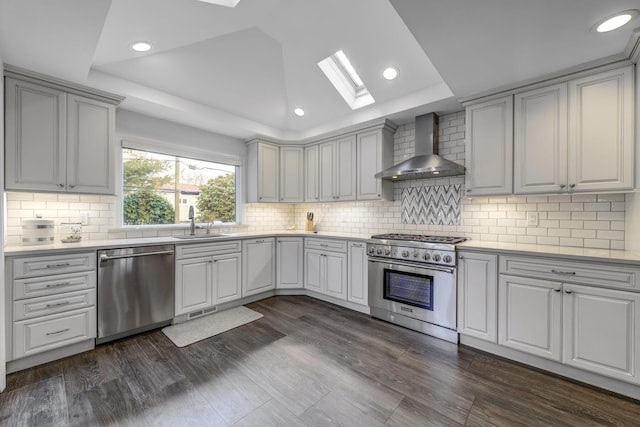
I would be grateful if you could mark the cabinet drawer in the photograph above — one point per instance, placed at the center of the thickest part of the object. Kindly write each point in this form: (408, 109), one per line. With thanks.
(206, 249)
(51, 304)
(57, 264)
(326, 244)
(58, 330)
(50, 285)
(605, 275)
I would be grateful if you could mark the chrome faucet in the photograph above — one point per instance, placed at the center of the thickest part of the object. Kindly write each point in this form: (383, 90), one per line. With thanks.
(192, 224)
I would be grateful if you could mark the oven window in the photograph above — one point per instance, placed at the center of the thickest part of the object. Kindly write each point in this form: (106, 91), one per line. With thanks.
(409, 288)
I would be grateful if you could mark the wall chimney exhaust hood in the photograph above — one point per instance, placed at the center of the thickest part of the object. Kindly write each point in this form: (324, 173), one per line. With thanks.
(426, 163)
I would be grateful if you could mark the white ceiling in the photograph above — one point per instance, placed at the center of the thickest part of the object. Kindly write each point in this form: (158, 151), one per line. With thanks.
(242, 71)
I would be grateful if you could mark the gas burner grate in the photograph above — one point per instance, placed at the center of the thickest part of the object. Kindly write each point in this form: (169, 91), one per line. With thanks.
(420, 238)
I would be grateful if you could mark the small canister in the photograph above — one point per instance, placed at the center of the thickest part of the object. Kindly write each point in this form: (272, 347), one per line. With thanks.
(37, 231)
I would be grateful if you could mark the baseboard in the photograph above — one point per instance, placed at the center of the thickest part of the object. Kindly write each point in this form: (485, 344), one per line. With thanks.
(49, 356)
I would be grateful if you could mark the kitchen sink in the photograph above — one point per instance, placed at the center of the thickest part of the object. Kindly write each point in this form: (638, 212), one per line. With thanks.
(202, 236)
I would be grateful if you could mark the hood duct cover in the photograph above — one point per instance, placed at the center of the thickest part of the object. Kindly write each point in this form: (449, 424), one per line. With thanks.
(426, 163)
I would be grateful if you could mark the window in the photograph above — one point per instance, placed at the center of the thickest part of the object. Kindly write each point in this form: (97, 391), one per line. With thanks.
(160, 189)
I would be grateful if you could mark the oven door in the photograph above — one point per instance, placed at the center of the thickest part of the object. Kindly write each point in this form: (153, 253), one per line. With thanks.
(426, 293)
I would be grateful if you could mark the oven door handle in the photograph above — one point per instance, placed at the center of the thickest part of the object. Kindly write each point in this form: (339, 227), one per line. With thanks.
(421, 266)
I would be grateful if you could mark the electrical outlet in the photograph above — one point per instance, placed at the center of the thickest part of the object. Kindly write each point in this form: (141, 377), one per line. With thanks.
(84, 218)
(532, 219)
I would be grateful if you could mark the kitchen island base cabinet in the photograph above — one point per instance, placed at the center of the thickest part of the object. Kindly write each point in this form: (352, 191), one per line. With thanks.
(258, 266)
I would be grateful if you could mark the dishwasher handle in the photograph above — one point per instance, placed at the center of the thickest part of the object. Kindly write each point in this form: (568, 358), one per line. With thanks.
(105, 257)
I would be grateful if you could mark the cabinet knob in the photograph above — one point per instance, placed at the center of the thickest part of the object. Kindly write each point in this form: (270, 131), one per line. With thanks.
(468, 190)
(259, 198)
(71, 186)
(557, 290)
(60, 185)
(562, 185)
(572, 185)
(568, 292)
(460, 257)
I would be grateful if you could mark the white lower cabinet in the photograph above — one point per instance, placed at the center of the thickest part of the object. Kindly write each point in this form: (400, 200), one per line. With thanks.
(358, 286)
(289, 261)
(206, 275)
(258, 266)
(326, 267)
(529, 316)
(601, 331)
(477, 295)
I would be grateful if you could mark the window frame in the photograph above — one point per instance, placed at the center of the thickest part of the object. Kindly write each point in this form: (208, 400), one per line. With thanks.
(178, 151)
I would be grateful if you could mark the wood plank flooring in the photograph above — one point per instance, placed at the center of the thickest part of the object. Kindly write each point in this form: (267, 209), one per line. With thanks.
(306, 363)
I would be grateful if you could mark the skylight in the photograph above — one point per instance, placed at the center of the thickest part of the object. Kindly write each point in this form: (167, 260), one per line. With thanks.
(346, 80)
(226, 3)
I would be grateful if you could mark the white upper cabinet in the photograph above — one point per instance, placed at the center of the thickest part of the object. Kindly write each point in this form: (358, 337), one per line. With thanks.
(312, 174)
(337, 171)
(58, 141)
(540, 140)
(374, 153)
(601, 131)
(262, 172)
(291, 175)
(489, 147)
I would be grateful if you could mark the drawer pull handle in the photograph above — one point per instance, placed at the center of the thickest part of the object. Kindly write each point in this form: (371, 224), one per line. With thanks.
(58, 304)
(58, 332)
(566, 273)
(64, 264)
(259, 241)
(58, 285)
(568, 292)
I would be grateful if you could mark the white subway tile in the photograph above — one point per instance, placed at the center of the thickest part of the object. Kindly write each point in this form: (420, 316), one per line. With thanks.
(598, 206)
(537, 199)
(559, 215)
(547, 207)
(611, 197)
(617, 225)
(581, 198)
(585, 216)
(617, 244)
(583, 234)
(542, 240)
(533, 231)
(597, 225)
(611, 216)
(611, 235)
(571, 206)
(597, 243)
(571, 224)
(571, 242)
(527, 239)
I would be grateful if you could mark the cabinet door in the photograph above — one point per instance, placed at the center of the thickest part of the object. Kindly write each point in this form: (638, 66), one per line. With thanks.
(489, 147)
(35, 143)
(289, 263)
(313, 266)
(226, 284)
(529, 313)
(540, 140)
(193, 284)
(336, 275)
(369, 155)
(291, 176)
(358, 283)
(90, 146)
(346, 168)
(601, 331)
(601, 131)
(258, 266)
(477, 296)
(267, 173)
(312, 174)
(328, 171)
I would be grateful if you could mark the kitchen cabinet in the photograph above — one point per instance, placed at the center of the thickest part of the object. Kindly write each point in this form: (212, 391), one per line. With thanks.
(258, 266)
(489, 147)
(477, 295)
(312, 174)
(263, 168)
(291, 174)
(530, 316)
(374, 152)
(358, 281)
(58, 141)
(290, 263)
(207, 274)
(337, 172)
(53, 303)
(326, 267)
(576, 136)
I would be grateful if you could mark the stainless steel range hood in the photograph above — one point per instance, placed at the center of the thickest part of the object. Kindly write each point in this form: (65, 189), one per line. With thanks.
(426, 163)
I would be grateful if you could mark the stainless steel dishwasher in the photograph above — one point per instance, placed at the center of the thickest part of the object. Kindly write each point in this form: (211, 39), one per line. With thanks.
(135, 290)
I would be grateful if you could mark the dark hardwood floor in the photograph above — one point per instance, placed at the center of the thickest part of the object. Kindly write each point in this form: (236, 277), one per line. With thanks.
(305, 363)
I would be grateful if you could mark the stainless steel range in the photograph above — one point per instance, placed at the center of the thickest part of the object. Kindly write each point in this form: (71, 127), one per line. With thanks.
(412, 282)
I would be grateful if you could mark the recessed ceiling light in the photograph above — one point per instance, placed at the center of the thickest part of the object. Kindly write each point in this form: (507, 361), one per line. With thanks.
(613, 22)
(298, 112)
(390, 73)
(140, 46)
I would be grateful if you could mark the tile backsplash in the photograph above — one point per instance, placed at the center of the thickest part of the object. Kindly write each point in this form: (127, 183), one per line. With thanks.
(583, 220)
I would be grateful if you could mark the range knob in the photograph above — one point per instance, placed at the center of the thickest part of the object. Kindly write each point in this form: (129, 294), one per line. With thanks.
(405, 254)
(372, 250)
(447, 259)
(415, 254)
(426, 257)
(387, 251)
(436, 257)
(379, 251)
